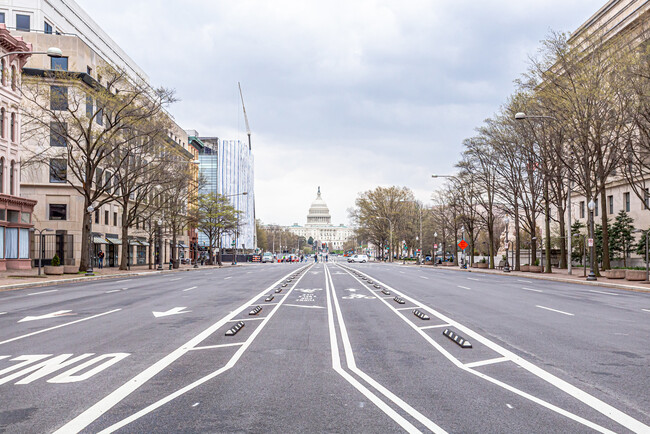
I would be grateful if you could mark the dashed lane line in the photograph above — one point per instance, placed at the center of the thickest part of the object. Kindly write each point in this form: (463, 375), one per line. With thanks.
(471, 278)
(190, 288)
(554, 310)
(226, 278)
(645, 310)
(43, 292)
(437, 326)
(603, 292)
(531, 289)
(464, 287)
(209, 347)
(486, 362)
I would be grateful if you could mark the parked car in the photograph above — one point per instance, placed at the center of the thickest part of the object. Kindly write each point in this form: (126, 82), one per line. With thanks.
(358, 258)
(267, 257)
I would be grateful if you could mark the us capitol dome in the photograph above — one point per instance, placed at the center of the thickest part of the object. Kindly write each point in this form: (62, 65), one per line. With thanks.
(319, 226)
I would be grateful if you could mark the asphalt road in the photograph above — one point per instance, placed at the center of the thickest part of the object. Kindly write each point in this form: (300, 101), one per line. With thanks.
(330, 352)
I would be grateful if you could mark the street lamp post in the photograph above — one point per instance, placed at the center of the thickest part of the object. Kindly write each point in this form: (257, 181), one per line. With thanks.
(196, 248)
(40, 244)
(506, 266)
(52, 52)
(463, 265)
(435, 247)
(89, 269)
(160, 244)
(591, 205)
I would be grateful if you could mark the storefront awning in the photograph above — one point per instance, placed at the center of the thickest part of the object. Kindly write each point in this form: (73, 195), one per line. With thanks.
(115, 241)
(183, 246)
(99, 240)
(144, 243)
(134, 243)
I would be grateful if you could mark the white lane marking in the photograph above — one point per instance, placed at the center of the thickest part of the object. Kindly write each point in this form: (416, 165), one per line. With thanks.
(174, 280)
(2, 313)
(603, 292)
(308, 307)
(554, 310)
(464, 287)
(408, 308)
(209, 347)
(349, 359)
(112, 290)
(43, 292)
(402, 272)
(92, 415)
(257, 318)
(531, 289)
(486, 362)
(645, 310)
(195, 404)
(471, 278)
(125, 280)
(434, 326)
(226, 278)
(509, 406)
(525, 281)
(172, 311)
(58, 326)
(422, 277)
(593, 402)
(46, 316)
(191, 288)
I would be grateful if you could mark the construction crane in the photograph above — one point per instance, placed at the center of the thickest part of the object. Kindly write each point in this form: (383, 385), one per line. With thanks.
(248, 128)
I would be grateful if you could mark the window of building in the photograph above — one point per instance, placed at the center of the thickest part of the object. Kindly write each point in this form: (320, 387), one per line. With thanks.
(23, 22)
(58, 170)
(58, 134)
(12, 125)
(59, 63)
(2, 173)
(2, 122)
(58, 211)
(13, 216)
(647, 199)
(582, 209)
(100, 116)
(97, 216)
(596, 207)
(14, 78)
(58, 98)
(2, 17)
(89, 70)
(2, 215)
(106, 217)
(89, 106)
(26, 217)
(3, 72)
(47, 28)
(11, 243)
(114, 219)
(12, 172)
(626, 197)
(610, 203)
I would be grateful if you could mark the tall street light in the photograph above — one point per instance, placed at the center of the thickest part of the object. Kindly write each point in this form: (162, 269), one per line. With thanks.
(506, 266)
(40, 244)
(462, 252)
(160, 244)
(52, 52)
(196, 248)
(591, 205)
(435, 247)
(89, 269)
(523, 116)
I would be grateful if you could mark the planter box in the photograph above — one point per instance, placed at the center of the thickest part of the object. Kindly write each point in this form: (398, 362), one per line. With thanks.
(58, 270)
(482, 265)
(448, 264)
(535, 268)
(616, 274)
(525, 268)
(428, 262)
(70, 269)
(475, 265)
(636, 275)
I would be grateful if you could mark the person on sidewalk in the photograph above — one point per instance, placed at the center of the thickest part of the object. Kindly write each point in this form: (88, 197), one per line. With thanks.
(100, 258)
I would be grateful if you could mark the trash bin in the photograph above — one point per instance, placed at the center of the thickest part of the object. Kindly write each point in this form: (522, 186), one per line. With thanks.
(176, 263)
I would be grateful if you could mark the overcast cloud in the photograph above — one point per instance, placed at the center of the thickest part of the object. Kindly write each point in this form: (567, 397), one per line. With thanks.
(347, 95)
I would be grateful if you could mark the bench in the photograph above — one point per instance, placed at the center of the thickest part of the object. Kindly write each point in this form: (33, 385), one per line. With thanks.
(502, 264)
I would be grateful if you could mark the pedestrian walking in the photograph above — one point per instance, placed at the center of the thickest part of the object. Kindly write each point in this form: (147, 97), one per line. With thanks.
(100, 258)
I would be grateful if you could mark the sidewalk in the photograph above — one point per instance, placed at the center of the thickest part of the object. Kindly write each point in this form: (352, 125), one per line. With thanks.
(561, 275)
(16, 279)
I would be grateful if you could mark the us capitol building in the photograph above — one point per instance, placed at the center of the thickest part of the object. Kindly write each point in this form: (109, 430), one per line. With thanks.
(319, 226)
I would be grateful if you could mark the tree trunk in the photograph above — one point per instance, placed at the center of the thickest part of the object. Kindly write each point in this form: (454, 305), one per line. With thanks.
(491, 238)
(219, 251)
(84, 259)
(151, 248)
(124, 260)
(517, 238)
(547, 227)
(563, 242)
(603, 222)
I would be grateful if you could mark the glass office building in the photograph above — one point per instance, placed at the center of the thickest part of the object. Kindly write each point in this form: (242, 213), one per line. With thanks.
(227, 167)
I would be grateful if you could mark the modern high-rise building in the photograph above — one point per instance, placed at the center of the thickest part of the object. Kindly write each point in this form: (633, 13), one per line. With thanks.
(227, 167)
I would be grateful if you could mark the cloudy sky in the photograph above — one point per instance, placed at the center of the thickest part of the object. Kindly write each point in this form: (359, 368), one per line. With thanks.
(346, 94)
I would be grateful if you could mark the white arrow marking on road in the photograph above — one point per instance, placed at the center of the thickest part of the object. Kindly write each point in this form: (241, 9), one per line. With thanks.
(46, 316)
(351, 289)
(172, 311)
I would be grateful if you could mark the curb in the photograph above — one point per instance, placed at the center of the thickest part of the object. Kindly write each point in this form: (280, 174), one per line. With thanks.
(13, 287)
(541, 276)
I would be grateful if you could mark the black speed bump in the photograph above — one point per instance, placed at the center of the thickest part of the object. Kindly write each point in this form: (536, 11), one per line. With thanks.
(370, 282)
(377, 286)
(464, 343)
(277, 290)
(385, 291)
(284, 285)
(420, 314)
(269, 298)
(256, 310)
(399, 300)
(234, 329)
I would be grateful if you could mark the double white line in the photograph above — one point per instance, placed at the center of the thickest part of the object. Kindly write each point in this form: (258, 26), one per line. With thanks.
(352, 366)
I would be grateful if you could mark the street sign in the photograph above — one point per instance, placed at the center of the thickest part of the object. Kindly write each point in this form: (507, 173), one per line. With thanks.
(463, 244)
(590, 242)
(507, 246)
(435, 246)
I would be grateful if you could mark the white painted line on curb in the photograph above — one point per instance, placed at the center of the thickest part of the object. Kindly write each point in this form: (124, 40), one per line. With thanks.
(464, 287)
(486, 362)
(531, 289)
(58, 326)
(191, 288)
(603, 292)
(554, 310)
(43, 292)
(209, 347)
(437, 326)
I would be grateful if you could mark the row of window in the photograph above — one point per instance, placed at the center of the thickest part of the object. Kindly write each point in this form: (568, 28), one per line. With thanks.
(610, 204)
(14, 243)
(23, 23)
(12, 176)
(59, 101)
(13, 125)
(59, 211)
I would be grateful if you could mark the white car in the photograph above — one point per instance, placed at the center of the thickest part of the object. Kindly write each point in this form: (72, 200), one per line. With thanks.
(358, 258)
(267, 257)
